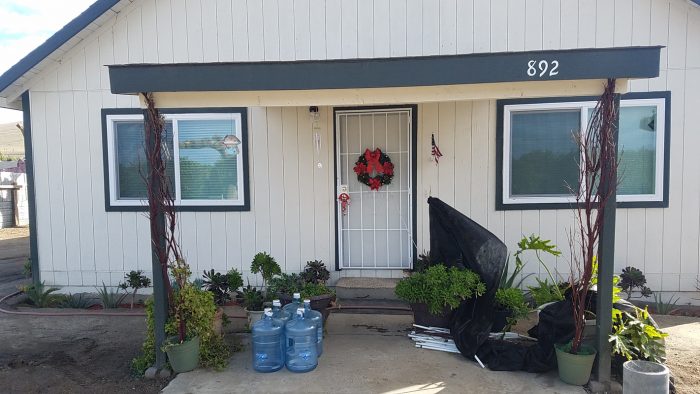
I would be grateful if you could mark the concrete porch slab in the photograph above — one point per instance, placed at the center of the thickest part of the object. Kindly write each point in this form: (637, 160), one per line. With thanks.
(370, 354)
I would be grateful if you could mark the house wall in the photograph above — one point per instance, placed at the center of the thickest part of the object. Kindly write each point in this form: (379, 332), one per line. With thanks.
(82, 245)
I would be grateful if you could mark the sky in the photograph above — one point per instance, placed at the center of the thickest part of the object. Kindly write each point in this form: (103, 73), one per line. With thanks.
(24, 25)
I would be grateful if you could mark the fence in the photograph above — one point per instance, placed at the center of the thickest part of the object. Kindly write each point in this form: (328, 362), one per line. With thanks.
(14, 207)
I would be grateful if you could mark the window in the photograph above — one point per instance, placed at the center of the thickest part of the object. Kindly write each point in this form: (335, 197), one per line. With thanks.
(205, 154)
(540, 160)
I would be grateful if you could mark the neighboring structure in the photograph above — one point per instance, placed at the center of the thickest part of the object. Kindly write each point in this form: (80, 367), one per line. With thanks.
(270, 104)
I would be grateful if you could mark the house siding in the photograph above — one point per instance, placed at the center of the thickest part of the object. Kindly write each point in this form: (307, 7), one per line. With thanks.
(292, 200)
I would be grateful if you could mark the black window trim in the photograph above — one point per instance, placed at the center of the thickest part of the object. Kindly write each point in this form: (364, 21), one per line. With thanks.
(500, 104)
(181, 208)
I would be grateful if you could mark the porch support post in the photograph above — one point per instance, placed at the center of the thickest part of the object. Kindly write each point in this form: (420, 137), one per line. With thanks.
(606, 263)
(160, 295)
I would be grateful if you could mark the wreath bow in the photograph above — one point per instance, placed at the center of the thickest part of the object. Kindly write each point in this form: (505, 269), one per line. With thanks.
(373, 163)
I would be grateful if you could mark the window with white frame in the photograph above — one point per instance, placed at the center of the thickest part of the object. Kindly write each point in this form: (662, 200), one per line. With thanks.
(540, 159)
(204, 154)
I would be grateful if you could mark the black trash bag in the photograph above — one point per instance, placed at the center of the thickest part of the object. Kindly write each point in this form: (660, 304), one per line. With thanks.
(456, 240)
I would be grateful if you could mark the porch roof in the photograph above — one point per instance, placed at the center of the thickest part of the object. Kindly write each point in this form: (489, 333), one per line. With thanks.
(400, 72)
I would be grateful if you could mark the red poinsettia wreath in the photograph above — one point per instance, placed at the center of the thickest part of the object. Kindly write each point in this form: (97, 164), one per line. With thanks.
(374, 169)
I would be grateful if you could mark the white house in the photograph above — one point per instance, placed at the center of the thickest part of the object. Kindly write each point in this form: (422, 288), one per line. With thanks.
(306, 86)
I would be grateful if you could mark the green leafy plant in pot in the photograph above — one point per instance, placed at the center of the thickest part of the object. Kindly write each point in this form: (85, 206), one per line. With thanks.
(315, 276)
(253, 301)
(596, 184)
(437, 291)
(510, 307)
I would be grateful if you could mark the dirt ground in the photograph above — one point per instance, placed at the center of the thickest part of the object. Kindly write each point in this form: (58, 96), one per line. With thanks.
(63, 354)
(682, 350)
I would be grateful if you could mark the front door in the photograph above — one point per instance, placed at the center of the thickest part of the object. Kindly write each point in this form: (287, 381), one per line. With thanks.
(375, 228)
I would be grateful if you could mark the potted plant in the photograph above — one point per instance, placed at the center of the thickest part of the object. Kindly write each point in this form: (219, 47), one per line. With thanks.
(315, 276)
(218, 284)
(597, 182)
(283, 286)
(266, 266)
(435, 292)
(182, 349)
(510, 306)
(253, 302)
(135, 280)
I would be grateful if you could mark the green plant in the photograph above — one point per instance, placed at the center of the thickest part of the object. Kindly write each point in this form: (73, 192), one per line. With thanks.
(513, 300)
(253, 298)
(110, 298)
(315, 289)
(315, 272)
(633, 278)
(27, 268)
(135, 280)
(538, 245)
(662, 307)
(199, 309)
(546, 292)
(636, 338)
(235, 280)
(266, 266)
(40, 296)
(217, 284)
(76, 301)
(440, 287)
(285, 284)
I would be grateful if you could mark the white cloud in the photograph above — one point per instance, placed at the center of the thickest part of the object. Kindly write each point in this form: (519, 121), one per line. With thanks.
(26, 24)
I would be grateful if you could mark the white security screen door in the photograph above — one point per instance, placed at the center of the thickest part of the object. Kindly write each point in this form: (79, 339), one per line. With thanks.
(376, 230)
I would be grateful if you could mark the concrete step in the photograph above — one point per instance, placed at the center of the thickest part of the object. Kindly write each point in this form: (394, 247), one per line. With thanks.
(370, 306)
(351, 288)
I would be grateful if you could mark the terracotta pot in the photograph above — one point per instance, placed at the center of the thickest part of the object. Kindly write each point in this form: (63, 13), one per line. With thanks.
(423, 317)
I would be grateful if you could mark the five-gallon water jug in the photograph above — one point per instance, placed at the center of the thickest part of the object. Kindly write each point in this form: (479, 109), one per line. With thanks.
(317, 318)
(268, 349)
(301, 344)
(283, 317)
(292, 307)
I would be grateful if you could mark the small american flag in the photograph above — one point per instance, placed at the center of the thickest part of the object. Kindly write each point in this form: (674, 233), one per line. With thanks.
(435, 150)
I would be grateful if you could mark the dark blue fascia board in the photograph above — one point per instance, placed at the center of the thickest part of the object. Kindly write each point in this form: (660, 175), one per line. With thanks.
(54, 42)
(571, 64)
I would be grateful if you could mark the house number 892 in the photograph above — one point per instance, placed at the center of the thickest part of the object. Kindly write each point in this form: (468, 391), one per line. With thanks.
(542, 68)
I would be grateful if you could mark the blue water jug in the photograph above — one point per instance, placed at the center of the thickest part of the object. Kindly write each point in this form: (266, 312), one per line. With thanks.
(292, 307)
(301, 344)
(283, 317)
(317, 318)
(268, 347)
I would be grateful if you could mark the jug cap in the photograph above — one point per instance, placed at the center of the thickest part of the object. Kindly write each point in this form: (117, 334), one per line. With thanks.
(297, 296)
(307, 301)
(276, 303)
(300, 311)
(268, 312)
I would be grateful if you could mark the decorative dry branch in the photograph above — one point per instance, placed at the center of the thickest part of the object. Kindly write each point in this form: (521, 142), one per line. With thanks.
(161, 207)
(597, 183)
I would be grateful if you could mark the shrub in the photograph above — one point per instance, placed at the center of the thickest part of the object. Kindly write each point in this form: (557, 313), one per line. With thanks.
(76, 301)
(265, 265)
(546, 292)
(285, 284)
(217, 284)
(253, 298)
(27, 268)
(636, 338)
(135, 280)
(110, 298)
(315, 272)
(315, 289)
(199, 309)
(422, 262)
(235, 280)
(513, 300)
(42, 297)
(439, 287)
(633, 278)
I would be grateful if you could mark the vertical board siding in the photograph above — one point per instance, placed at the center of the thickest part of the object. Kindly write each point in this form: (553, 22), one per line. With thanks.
(292, 199)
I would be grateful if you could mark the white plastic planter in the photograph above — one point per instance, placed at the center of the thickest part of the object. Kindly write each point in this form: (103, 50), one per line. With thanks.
(642, 377)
